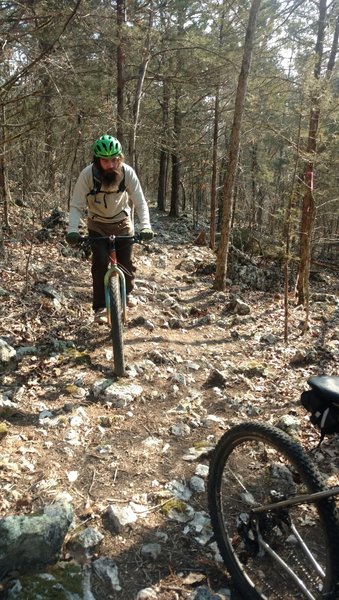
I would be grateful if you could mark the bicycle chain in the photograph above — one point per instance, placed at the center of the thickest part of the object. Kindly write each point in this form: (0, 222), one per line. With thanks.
(268, 587)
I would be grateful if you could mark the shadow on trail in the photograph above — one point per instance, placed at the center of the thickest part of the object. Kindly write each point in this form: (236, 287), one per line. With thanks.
(182, 565)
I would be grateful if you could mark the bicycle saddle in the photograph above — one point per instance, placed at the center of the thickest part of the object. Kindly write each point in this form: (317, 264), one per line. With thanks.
(326, 386)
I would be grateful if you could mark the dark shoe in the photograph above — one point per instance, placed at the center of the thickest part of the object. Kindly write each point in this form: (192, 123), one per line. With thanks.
(100, 316)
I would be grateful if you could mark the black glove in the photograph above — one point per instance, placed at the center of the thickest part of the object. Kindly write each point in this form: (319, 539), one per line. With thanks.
(146, 235)
(73, 238)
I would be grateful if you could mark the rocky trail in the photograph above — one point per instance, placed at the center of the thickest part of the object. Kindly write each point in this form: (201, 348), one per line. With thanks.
(118, 468)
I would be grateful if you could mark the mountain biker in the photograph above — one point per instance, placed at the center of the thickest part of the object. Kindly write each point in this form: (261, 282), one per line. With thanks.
(106, 189)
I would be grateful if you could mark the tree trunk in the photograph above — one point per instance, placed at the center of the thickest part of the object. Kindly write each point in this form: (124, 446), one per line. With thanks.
(174, 210)
(228, 195)
(177, 114)
(48, 156)
(308, 206)
(163, 162)
(138, 93)
(121, 19)
(214, 199)
(254, 185)
(176, 164)
(4, 191)
(214, 171)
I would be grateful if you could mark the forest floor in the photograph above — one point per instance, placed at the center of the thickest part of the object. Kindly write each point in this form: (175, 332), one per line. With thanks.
(63, 438)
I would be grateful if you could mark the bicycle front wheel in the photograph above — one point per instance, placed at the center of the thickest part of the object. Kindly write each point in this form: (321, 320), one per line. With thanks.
(279, 554)
(116, 325)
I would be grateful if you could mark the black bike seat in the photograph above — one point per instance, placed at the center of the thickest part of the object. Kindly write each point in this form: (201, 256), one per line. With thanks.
(327, 386)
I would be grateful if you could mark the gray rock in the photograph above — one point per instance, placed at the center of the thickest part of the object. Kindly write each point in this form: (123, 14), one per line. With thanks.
(289, 423)
(179, 490)
(174, 323)
(106, 570)
(202, 470)
(158, 358)
(203, 593)
(26, 351)
(27, 542)
(179, 379)
(45, 414)
(137, 321)
(89, 538)
(238, 307)
(195, 454)
(180, 430)
(7, 407)
(197, 484)
(122, 394)
(152, 551)
(50, 292)
(162, 536)
(210, 419)
(147, 594)
(65, 582)
(206, 320)
(117, 516)
(268, 338)
(7, 353)
(100, 386)
(215, 379)
(224, 593)
(187, 265)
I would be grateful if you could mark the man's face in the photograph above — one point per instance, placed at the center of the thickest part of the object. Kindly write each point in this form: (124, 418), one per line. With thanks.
(110, 164)
(110, 169)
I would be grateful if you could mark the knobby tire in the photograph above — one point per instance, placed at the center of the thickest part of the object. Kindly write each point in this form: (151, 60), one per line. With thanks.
(116, 326)
(251, 464)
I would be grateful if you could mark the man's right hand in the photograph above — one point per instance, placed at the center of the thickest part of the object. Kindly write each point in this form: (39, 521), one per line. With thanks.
(73, 238)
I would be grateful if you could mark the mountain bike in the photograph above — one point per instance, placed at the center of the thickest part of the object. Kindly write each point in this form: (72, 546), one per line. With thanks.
(115, 294)
(274, 519)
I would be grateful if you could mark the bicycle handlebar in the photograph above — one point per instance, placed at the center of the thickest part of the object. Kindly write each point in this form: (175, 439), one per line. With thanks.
(86, 240)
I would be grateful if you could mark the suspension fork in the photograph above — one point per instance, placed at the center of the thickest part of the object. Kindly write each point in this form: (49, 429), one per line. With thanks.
(114, 270)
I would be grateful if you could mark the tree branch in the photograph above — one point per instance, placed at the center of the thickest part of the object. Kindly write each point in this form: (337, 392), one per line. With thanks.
(12, 80)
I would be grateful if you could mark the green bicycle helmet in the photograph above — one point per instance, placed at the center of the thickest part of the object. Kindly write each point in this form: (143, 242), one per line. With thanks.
(106, 147)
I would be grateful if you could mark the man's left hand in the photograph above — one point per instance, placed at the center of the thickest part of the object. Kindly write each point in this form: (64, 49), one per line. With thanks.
(146, 235)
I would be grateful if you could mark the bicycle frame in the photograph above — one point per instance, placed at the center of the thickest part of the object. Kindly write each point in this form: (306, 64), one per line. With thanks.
(305, 498)
(260, 488)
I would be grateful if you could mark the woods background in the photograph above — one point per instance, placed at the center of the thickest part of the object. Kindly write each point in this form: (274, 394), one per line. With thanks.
(162, 77)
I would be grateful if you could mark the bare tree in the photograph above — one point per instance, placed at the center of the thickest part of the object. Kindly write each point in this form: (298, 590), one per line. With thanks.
(121, 19)
(4, 190)
(308, 205)
(214, 170)
(139, 88)
(229, 185)
(163, 159)
(14, 80)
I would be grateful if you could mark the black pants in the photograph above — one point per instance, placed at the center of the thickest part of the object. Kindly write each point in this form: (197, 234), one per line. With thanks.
(100, 249)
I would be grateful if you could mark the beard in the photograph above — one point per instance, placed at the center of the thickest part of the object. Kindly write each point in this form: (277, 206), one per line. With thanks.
(110, 177)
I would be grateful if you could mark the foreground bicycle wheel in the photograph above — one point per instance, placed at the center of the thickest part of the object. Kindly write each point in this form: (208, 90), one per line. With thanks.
(254, 465)
(116, 325)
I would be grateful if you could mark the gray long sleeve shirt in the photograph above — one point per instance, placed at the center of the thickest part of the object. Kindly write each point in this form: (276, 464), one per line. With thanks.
(108, 205)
